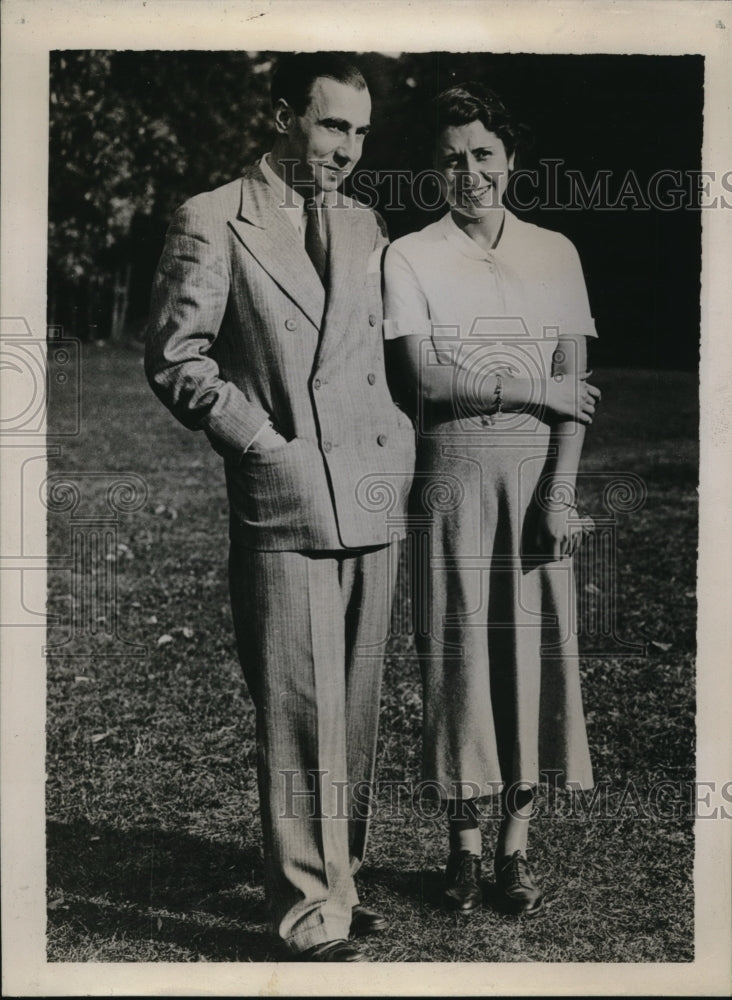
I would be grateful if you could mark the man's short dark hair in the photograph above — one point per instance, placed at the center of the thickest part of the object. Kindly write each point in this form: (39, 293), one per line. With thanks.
(470, 102)
(295, 75)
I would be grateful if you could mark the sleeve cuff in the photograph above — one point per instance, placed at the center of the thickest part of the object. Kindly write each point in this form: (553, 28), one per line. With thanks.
(587, 331)
(266, 423)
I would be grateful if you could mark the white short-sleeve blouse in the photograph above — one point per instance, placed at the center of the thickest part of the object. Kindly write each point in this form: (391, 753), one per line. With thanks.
(439, 283)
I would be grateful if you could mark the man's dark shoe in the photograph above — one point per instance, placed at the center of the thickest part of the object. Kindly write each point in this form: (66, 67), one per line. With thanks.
(332, 951)
(365, 921)
(517, 887)
(463, 891)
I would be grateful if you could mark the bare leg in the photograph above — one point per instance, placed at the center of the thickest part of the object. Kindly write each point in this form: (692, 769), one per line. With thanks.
(513, 835)
(463, 891)
(515, 882)
(462, 818)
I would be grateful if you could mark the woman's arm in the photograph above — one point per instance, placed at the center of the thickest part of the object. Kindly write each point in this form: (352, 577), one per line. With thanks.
(558, 532)
(439, 380)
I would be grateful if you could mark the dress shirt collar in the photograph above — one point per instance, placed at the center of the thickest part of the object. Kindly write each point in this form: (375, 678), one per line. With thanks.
(288, 197)
(289, 200)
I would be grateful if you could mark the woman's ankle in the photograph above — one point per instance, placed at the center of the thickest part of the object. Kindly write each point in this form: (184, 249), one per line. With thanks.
(465, 840)
(464, 832)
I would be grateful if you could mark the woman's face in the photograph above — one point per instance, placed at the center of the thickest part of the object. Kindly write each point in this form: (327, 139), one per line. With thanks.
(474, 167)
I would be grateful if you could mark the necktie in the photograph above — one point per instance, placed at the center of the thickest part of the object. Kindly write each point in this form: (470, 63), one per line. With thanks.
(313, 241)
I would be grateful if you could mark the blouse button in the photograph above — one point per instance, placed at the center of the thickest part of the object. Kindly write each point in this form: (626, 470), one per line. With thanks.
(327, 446)
(372, 319)
(370, 378)
(381, 440)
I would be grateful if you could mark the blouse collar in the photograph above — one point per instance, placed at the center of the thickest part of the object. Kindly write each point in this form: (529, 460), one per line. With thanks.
(467, 246)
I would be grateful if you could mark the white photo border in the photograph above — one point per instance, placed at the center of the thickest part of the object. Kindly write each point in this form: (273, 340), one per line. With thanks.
(31, 29)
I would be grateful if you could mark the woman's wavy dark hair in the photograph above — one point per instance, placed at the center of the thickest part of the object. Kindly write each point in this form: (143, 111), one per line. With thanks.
(469, 102)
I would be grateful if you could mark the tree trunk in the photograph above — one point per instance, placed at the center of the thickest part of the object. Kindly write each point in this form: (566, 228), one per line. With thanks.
(92, 312)
(120, 299)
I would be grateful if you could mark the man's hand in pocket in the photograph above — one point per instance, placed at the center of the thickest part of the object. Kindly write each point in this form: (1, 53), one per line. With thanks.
(267, 439)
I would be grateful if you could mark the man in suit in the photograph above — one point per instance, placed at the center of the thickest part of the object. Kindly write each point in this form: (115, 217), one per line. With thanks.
(265, 332)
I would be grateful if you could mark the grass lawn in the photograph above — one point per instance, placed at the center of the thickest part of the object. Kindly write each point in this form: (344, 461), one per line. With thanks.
(153, 826)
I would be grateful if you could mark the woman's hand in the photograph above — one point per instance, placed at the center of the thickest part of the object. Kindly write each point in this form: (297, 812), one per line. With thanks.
(559, 532)
(571, 397)
(564, 396)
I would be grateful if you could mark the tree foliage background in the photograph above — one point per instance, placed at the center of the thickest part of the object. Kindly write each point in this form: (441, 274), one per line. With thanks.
(135, 133)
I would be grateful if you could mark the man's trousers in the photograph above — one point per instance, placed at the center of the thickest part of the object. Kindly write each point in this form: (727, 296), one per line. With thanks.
(311, 631)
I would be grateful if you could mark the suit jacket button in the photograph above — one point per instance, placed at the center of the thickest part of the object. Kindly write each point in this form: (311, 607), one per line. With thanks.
(370, 378)
(327, 446)
(381, 440)
(372, 319)
(317, 383)
(290, 324)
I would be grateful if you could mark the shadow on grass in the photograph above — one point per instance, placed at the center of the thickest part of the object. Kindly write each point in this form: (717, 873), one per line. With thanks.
(421, 888)
(148, 886)
(424, 889)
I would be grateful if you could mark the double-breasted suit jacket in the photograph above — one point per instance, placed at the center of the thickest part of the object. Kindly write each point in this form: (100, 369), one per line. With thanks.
(241, 330)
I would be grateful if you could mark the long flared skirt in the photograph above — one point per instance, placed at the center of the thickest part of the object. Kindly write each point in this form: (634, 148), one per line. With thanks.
(495, 625)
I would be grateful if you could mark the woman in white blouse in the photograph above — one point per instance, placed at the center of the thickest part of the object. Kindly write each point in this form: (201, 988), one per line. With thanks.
(489, 317)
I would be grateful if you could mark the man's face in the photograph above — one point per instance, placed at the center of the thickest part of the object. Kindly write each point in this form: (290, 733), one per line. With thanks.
(326, 141)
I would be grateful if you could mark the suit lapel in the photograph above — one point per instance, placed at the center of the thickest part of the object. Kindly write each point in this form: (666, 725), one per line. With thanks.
(263, 228)
(348, 247)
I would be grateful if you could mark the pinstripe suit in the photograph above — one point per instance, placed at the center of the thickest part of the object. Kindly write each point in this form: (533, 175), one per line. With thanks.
(241, 330)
